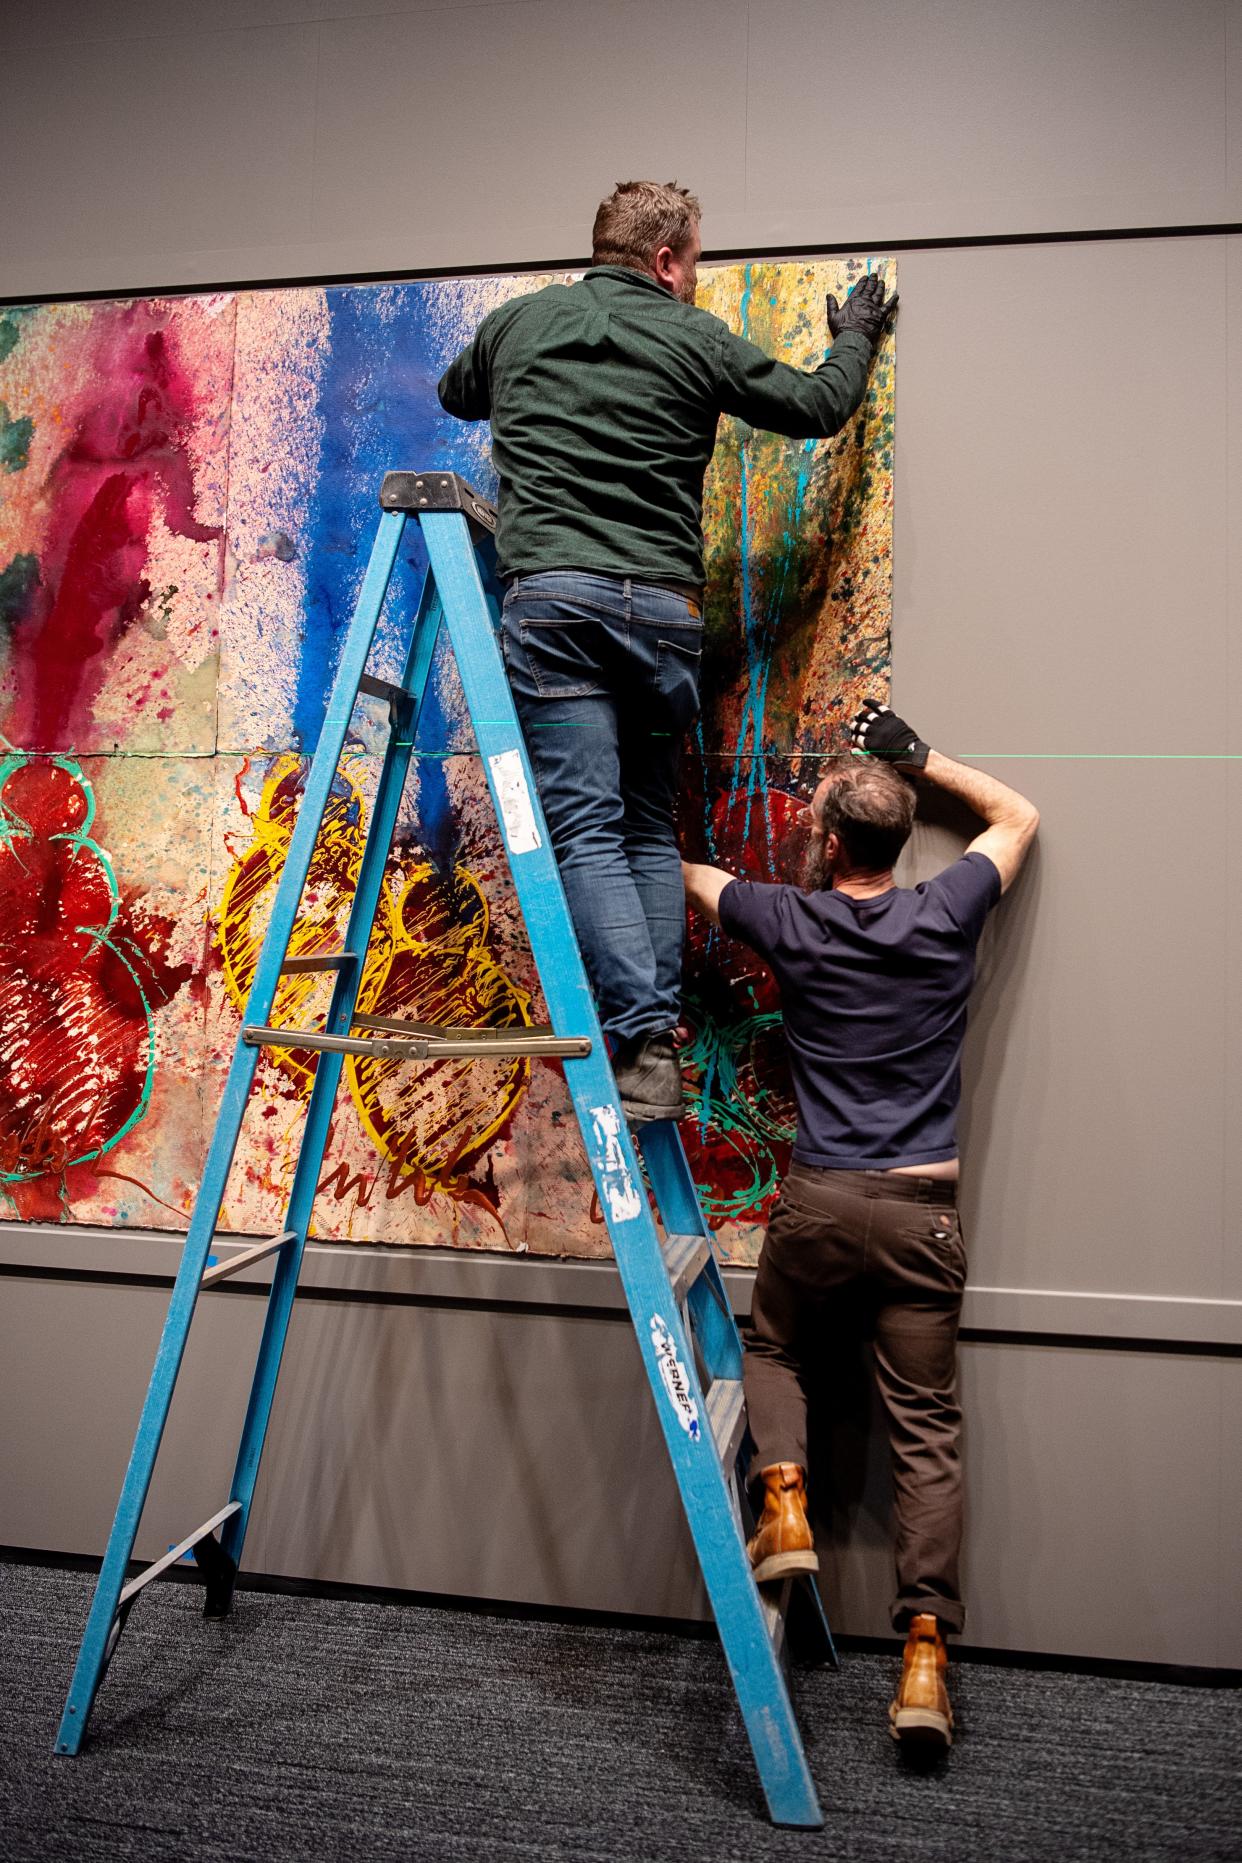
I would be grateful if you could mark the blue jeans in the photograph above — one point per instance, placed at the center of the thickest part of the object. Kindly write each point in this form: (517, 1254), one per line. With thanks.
(605, 676)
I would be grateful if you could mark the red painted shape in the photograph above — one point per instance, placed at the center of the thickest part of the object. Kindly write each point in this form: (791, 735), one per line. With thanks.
(127, 458)
(76, 986)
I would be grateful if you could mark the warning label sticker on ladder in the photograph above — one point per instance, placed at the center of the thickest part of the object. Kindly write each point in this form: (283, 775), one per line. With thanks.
(619, 1190)
(673, 1378)
(516, 813)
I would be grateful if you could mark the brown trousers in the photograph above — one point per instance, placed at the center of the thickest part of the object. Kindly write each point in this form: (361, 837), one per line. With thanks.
(892, 1246)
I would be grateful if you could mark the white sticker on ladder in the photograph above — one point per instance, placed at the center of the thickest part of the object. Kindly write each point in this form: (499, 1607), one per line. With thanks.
(516, 813)
(620, 1191)
(673, 1378)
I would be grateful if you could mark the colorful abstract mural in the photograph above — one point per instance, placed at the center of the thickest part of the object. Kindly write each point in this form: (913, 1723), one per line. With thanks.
(187, 500)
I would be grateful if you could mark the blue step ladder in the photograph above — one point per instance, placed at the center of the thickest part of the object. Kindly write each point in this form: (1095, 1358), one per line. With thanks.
(681, 1314)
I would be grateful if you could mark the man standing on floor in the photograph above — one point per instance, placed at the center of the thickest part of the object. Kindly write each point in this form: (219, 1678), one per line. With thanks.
(604, 397)
(874, 981)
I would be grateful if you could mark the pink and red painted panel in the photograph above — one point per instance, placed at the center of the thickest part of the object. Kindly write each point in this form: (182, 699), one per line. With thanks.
(187, 498)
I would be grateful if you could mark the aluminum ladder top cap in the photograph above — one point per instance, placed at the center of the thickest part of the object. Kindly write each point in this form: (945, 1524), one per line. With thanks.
(437, 491)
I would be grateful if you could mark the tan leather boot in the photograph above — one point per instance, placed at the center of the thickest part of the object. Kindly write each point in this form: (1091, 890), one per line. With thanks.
(783, 1542)
(921, 1716)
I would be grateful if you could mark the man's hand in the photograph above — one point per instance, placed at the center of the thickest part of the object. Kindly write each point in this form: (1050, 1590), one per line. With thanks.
(866, 310)
(876, 731)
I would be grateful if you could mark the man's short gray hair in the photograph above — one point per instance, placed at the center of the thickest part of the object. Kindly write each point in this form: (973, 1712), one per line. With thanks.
(870, 807)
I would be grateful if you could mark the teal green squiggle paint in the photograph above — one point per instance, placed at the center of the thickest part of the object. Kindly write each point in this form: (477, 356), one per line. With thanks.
(720, 1108)
(148, 1079)
(16, 434)
(755, 703)
(18, 583)
(709, 826)
(11, 327)
(760, 629)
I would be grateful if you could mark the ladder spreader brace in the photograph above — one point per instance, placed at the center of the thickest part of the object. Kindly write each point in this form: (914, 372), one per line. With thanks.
(687, 1337)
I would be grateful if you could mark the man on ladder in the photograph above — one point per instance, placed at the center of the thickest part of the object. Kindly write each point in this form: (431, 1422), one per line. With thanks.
(604, 397)
(874, 982)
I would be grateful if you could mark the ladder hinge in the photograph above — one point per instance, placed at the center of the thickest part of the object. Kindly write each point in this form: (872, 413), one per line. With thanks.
(436, 491)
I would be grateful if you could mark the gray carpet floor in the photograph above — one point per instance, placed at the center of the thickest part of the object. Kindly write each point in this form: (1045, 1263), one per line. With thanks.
(323, 1728)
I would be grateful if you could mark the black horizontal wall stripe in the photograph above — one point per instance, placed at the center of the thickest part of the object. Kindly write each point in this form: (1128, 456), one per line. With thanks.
(963, 242)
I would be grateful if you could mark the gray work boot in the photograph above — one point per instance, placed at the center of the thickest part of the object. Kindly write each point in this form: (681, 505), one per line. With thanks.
(648, 1075)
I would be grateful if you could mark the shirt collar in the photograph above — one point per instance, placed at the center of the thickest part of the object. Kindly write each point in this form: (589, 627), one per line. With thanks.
(625, 275)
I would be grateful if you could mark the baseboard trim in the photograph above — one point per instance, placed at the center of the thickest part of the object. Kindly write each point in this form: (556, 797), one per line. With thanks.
(1186, 1675)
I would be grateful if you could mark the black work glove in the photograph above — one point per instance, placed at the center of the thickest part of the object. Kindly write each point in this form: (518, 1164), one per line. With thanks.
(865, 310)
(876, 731)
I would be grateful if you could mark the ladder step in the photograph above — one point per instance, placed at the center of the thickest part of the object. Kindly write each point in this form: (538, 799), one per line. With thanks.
(794, 1614)
(726, 1413)
(398, 1025)
(685, 1257)
(174, 1553)
(775, 1601)
(223, 1269)
(432, 1045)
(382, 689)
(321, 960)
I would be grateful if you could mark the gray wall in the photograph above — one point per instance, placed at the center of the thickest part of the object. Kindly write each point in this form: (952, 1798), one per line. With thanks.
(142, 146)
(1066, 589)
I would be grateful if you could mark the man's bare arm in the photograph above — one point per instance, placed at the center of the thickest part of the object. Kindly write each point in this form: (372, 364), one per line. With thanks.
(1011, 819)
(876, 731)
(704, 886)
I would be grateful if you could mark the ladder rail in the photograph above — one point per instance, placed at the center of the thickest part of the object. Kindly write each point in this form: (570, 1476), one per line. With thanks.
(93, 1655)
(369, 885)
(711, 1312)
(667, 1356)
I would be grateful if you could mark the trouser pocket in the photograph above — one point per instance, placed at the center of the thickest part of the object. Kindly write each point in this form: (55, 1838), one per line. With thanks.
(677, 665)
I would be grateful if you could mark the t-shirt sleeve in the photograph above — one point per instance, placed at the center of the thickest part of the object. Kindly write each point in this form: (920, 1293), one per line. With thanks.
(754, 911)
(969, 889)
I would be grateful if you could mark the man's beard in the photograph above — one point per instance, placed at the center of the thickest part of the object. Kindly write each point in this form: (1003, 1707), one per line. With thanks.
(816, 872)
(689, 286)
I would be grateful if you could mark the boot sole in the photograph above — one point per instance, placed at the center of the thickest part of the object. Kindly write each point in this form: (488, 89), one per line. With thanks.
(638, 1114)
(924, 1729)
(781, 1565)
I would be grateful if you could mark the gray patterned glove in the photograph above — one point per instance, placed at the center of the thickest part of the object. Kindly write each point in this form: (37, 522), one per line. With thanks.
(876, 731)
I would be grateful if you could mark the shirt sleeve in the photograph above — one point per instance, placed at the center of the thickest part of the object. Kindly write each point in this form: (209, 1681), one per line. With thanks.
(752, 910)
(969, 889)
(805, 404)
(464, 388)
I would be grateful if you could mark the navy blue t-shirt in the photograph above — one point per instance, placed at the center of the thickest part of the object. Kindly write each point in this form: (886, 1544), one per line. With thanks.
(874, 997)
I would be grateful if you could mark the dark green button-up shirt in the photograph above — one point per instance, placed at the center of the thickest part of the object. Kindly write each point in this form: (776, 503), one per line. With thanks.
(603, 397)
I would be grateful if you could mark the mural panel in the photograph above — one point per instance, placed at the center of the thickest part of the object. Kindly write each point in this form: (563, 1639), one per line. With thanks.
(187, 501)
